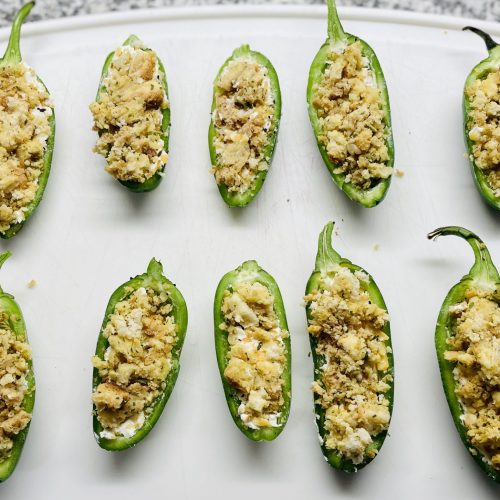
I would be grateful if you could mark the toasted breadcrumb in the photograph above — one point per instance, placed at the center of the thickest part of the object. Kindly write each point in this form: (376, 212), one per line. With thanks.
(128, 115)
(14, 367)
(32, 284)
(355, 376)
(399, 173)
(141, 333)
(25, 110)
(474, 345)
(243, 117)
(484, 126)
(348, 104)
(257, 353)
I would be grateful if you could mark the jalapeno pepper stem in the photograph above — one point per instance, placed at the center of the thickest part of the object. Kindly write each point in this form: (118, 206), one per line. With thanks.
(335, 30)
(483, 268)
(13, 52)
(490, 43)
(326, 255)
(155, 269)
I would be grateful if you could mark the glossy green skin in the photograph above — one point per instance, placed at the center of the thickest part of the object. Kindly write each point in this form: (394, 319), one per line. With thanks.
(16, 324)
(480, 71)
(326, 259)
(154, 279)
(483, 273)
(237, 199)
(13, 57)
(256, 274)
(365, 197)
(154, 181)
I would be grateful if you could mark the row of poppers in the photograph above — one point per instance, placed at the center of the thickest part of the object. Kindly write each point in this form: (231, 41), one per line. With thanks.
(348, 106)
(138, 351)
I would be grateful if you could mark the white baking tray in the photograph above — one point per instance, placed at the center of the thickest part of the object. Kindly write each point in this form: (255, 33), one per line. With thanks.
(90, 234)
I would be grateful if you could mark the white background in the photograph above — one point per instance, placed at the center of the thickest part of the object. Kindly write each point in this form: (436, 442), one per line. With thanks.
(90, 234)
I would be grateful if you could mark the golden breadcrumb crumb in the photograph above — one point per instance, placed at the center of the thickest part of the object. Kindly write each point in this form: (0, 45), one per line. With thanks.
(243, 116)
(25, 111)
(257, 353)
(474, 345)
(351, 118)
(355, 375)
(141, 333)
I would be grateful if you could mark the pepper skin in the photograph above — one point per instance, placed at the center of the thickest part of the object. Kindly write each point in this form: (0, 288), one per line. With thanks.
(153, 278)
(252, 272)
(12, 57)
(365, 197)
(484, 275)
(154, 181)
(326, 261)
(16, 324)
(237, 199)
(481, 71)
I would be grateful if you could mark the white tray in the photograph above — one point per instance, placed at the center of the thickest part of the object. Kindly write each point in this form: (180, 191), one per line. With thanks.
(90, 234)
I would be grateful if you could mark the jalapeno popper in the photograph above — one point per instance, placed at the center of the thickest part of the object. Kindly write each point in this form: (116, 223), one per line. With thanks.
(468, 351)
(253, 350)
(350, 114)
(349, 332)
(246, 111)
(137, 358)
(482, 121)
(27, 130)
(132, 116)
(17, 382)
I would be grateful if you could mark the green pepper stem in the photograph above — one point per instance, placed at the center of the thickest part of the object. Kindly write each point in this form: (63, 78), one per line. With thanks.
(326, 255)
(131, 40)
(335, 30)
(13, 52)
(483, 268)
(155, 269)
(3, 257)
(490, 43)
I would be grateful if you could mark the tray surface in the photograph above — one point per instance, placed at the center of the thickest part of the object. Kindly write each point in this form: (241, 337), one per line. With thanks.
(89, 235)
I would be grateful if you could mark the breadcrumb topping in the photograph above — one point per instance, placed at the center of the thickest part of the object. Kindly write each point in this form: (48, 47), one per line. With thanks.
(25, 110)
(128, 115)
(348, 104)
(257, 353)
(474, 345)
(141, 333)
(484, 126)
(352, 383)
(14, 367)
(243, 116)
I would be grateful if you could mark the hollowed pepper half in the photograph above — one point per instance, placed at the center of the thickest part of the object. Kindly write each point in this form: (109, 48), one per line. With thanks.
(341, 296)
(12, 321)
(253, 351)
(11, 61)
(353, 145)
(151, 182)
(477, 293)
(482, 143)
(144, 335)
(246, 112)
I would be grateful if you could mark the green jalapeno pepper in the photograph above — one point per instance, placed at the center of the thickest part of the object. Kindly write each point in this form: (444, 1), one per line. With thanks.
(338, 38)
(14, 322)
(154, 279)
(154, 181)
(250, 272)
(237, 198)
(480, 72)
(327, 261)
(12, 57)
(483, 276)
